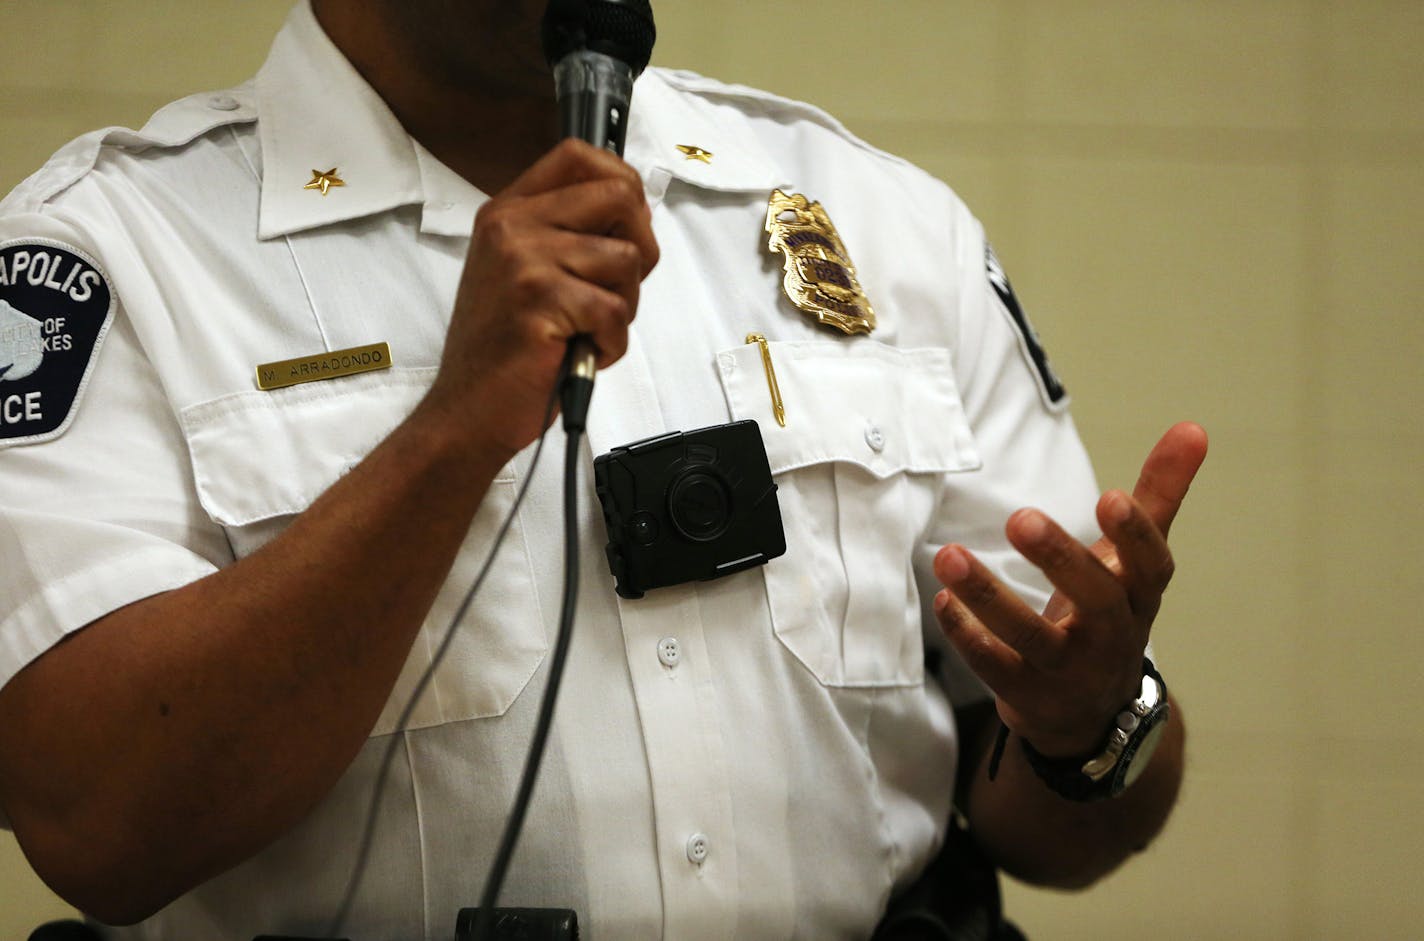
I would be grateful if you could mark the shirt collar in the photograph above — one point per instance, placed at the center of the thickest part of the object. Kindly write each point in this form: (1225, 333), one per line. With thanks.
(666, 116)
(450, 200)
(316, 113)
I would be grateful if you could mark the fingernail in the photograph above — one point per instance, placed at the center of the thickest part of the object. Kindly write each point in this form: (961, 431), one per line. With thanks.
(1034, 526)
(956, 565)
(1120, 508)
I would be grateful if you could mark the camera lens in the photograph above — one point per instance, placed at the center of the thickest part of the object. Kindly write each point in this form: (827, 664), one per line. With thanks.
(700, 506)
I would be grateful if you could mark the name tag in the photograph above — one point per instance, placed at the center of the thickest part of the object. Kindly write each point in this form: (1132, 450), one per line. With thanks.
(337, 363)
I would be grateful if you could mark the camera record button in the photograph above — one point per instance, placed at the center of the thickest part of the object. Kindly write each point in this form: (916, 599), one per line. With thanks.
(643, 528)
(669, 651)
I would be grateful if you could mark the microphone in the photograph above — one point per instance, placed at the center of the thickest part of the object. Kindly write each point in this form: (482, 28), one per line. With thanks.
(596, 49)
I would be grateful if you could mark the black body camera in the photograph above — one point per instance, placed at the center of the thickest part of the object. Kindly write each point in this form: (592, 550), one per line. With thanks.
(688, 506)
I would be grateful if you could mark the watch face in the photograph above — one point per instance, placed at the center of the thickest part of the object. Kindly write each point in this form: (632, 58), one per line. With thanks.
(1138, 754)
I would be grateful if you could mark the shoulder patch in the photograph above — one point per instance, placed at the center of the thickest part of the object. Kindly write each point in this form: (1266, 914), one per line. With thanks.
(1055, 396)
(55, 307)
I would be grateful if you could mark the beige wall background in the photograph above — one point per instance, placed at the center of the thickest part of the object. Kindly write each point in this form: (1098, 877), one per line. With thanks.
(1213, 209)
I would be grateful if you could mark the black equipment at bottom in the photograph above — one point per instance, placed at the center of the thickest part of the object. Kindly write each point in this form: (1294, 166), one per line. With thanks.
(68, 930)
(956, 898)
(522, 924)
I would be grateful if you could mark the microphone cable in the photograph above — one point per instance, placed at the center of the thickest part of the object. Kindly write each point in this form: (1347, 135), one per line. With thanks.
(577, 390)
(595, 48)
(397, 736)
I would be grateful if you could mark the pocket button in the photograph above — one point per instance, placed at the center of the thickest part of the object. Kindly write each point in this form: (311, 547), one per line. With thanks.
(875, 438)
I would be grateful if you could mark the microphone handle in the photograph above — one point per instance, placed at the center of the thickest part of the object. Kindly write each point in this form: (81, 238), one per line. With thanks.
(594, 92)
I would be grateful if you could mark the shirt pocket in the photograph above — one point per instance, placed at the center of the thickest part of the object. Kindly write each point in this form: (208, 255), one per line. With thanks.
(260, 458)
(871, 431)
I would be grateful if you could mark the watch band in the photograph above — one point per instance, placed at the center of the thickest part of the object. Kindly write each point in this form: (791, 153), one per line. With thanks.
(1127, 746)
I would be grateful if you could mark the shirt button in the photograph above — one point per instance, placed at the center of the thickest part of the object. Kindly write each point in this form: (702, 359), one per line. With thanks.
(875, 438)
(223, 103)
(669, 651)
(697, 847)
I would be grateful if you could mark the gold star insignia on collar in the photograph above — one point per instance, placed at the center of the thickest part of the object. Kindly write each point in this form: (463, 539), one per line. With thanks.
(695, 153)
(324, 180)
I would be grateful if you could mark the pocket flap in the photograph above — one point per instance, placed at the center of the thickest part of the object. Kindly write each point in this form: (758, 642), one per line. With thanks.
(257, 455)
(885, 409)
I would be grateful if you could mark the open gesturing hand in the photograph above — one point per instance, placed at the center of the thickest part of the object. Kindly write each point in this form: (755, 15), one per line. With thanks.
(1060, 676)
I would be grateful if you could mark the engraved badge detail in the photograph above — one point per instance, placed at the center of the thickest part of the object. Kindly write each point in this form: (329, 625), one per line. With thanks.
(820, 279)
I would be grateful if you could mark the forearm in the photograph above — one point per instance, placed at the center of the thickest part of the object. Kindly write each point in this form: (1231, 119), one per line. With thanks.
(198, 725)
(173, 738)
(1039, 837)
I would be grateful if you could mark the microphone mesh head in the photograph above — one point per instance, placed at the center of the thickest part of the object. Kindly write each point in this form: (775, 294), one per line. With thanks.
(623, 29)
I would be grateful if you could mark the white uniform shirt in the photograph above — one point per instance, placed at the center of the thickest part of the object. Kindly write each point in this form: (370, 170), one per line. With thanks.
(753, 757)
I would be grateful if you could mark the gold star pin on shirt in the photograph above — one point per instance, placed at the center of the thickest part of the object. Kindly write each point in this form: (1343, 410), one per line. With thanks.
(324, 180)
(695, 153)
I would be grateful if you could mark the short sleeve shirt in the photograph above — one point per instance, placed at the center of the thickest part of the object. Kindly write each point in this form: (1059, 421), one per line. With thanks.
(758, 756)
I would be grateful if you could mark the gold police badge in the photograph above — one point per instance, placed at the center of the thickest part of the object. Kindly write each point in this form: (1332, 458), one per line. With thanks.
(820, 279)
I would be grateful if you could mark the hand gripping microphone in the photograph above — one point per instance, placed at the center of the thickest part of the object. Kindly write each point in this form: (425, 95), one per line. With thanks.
(596, 49)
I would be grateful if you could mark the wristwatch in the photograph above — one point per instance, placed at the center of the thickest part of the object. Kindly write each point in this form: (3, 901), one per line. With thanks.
(1123, 757)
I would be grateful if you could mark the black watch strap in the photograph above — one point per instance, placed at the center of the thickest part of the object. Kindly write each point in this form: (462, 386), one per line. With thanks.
(1108, 763)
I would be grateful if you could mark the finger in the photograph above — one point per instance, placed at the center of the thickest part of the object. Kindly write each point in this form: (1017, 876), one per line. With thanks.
(1070, 566)
(611, 206)
(614, 266)
(998, 608)
(1143, 558)
(992, 660)
(1168, 472)
(577, 306)
(568, 162)
(608, 262)
(566, 176)
(513, 245)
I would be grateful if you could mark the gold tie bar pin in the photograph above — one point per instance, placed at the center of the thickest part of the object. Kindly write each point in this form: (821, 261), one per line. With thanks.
(778, 408)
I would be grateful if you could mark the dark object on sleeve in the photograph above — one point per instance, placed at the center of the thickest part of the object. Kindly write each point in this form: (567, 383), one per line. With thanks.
(955, 899)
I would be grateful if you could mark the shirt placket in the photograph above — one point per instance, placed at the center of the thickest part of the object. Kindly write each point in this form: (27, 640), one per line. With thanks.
(675, 693)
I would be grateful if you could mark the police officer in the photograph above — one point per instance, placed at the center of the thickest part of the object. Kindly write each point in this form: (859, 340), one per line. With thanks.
(221, 593)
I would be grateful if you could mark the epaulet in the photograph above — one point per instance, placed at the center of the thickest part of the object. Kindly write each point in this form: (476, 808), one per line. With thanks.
(173, 126)
(770, 105)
